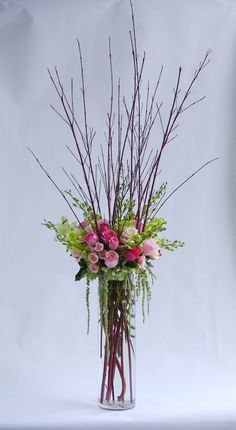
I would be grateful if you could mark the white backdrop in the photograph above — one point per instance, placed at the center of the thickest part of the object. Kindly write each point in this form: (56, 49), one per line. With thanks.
(186, 351)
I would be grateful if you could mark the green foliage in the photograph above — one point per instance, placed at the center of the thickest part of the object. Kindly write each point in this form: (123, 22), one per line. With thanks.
(82, 272)
(155, 226)
(155, 200)
(143, 286)
(169, 245)
(125, 212)
(88, 305)
(118, 274)
(85, 207)
(67, 233)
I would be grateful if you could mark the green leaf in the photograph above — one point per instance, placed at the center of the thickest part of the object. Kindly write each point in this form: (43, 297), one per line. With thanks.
(149, 264)
(81, 273)
(132, 264)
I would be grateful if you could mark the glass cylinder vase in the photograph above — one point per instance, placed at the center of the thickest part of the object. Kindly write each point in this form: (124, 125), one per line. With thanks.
(117, 343)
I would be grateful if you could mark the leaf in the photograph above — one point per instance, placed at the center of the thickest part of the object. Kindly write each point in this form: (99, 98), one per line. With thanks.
(132, 264)
(83, 263)
(149, 264)
(81, 273)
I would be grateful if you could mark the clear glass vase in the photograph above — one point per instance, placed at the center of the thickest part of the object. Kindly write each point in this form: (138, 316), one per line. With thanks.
(117, 344)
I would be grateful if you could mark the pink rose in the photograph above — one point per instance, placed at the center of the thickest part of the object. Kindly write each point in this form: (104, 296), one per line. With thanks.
(91, 238)
(102, 255)
(141, 261)
(103, 225)
(99, 247)
(133, 253)
(112, 259)
(93, 257)
(93, 267)
(108, 234)
(76, 254)
(151, 249)
(113, 243)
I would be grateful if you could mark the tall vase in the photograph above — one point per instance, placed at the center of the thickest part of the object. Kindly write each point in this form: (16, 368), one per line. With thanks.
(117, 343)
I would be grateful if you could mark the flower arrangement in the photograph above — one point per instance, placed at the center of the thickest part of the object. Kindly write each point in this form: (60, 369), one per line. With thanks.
(116, 234)
(114, 251)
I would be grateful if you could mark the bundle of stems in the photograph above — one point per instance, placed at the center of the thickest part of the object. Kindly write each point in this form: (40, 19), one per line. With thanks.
(118, 347)
(128, 166)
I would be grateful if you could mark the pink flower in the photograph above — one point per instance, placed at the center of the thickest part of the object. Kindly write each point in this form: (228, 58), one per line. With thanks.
(93, 257)
(103, 225)
(102, 255)
(151, 249)
(112, 259)
(142, 261)
(108, 234)
(99, 247)
(113, 243)
(76, 254)
(84, 225)
(93, 267)
(91, 238)
(133, 253)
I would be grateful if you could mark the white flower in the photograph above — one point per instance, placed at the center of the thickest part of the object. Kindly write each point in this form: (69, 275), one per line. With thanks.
(128, 234)
(76, 254)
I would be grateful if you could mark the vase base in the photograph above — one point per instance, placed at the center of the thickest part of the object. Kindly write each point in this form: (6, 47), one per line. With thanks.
(116, 405)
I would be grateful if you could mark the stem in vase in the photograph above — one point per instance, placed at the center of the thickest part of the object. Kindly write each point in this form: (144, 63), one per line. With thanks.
(112, 359)
(104, 376)
(130, 369)
(111, 346)
(122, 395)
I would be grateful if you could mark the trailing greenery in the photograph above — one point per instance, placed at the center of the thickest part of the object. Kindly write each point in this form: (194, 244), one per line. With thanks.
(88, 305)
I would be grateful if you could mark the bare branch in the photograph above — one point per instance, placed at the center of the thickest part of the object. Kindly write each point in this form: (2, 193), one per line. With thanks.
(54, 183)
(58, 113)
(184, 182)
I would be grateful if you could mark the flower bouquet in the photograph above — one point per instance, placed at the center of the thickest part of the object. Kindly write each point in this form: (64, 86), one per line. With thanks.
(117, 233)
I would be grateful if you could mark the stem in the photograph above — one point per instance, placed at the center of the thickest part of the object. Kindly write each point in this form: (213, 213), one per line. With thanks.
(130, 371)
(182, 183)
(122, 361)
(101, 336)
(118, 338)
(112, 361)
(104, 375)
(122, 394)
(86, 126)
(55, 185)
